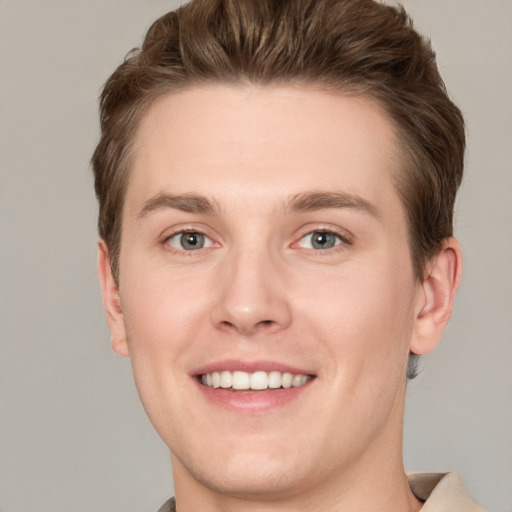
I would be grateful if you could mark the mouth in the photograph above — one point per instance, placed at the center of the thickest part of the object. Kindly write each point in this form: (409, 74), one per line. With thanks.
(250, 382)
(252, 387)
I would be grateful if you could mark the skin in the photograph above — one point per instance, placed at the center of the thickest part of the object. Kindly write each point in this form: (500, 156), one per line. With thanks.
(258, 290)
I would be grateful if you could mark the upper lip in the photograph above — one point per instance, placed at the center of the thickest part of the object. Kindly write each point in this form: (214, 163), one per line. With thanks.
(249, 366)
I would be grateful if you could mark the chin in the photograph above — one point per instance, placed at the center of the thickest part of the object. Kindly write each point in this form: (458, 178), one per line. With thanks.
(247, 474)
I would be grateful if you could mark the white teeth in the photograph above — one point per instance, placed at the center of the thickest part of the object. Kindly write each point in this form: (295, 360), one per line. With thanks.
(297, 381)
(274, 380)
(241, 380)
(287, 380)
(256, 381)
(259, 380)
(226, 380)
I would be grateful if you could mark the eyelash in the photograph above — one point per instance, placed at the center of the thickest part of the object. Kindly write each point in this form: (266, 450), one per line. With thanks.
(342, 241)
(167, 245)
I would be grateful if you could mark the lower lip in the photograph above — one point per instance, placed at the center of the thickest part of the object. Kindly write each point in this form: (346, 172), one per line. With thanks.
(251, 402)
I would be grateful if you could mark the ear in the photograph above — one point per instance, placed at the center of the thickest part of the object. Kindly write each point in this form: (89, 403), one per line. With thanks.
(435, 297)
(111, 302)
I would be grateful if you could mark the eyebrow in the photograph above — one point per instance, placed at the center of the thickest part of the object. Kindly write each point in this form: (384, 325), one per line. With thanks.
(319, 200)
(190, 203)
(299, 203)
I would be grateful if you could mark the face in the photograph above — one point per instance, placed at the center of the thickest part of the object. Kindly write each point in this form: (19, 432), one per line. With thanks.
(267, 296)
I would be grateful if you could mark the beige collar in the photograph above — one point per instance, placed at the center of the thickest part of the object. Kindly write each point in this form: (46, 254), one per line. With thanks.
(442, 492)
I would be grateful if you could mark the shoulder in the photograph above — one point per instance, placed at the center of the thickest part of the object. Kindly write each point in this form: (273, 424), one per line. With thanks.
(442, 492)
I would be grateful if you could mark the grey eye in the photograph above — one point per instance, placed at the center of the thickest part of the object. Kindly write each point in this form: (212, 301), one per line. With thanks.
(189, 241)
(319, 240)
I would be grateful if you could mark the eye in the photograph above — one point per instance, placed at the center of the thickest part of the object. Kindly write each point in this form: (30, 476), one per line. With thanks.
(320, 240)
(189, 241)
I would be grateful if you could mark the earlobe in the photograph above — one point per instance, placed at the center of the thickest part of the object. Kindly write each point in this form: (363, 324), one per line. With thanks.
(111, 301)
(436, 296)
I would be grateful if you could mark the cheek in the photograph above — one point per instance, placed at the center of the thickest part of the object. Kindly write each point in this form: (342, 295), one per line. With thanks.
(365, 314)
(161, 324)
(160, 312)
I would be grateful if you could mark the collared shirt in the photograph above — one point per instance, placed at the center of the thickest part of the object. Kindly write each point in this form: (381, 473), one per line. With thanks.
(441, 492)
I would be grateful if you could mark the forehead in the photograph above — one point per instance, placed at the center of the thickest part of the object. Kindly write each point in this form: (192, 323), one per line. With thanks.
(262, 141)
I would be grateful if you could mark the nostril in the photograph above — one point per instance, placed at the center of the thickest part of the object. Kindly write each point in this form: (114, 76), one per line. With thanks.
(227, 325)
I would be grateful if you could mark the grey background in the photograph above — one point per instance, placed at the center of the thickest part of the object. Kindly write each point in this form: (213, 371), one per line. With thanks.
(72, 433)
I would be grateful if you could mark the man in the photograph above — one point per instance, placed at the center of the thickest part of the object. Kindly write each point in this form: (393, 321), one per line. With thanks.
(276, 183)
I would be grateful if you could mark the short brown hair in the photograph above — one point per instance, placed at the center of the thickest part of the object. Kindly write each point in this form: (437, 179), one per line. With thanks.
(356, 46)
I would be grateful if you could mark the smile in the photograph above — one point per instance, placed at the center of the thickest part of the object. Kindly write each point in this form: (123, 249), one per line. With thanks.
(256, 381)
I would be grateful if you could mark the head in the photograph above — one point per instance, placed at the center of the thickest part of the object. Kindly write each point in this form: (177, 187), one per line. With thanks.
(357, 58)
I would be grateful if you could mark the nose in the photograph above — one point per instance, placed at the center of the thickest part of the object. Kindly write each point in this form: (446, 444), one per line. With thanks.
(252, 296)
